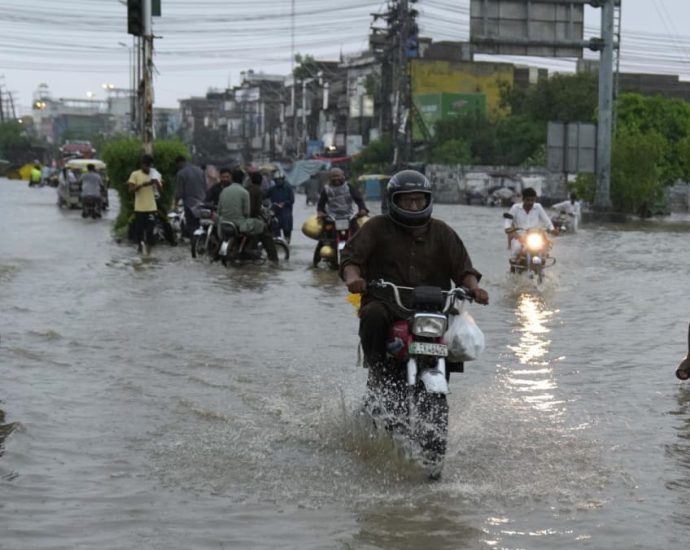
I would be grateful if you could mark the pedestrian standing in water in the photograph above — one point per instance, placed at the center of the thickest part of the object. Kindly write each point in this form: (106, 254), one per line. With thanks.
(282, 199)
(142, 184)
(191, 189)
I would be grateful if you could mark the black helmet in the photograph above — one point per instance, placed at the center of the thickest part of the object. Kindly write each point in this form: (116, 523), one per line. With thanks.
(409, 181)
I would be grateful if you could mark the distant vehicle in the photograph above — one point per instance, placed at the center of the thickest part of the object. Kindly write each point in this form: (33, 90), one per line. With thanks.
(77, 150)
(69, 194)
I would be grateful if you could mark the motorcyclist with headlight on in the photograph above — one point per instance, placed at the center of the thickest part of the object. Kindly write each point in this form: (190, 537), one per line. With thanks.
(525, 215)
(408, 248)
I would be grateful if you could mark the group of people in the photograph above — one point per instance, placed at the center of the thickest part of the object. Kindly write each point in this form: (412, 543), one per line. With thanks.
(406, 245)
(237, 197)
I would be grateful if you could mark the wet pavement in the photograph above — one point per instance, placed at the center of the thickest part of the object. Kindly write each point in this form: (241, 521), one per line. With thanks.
(164, 402)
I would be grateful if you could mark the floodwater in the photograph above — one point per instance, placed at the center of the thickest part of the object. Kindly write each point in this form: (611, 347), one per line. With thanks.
(164, 402)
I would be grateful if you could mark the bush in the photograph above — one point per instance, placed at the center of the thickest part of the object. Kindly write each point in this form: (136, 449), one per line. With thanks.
(123, 156)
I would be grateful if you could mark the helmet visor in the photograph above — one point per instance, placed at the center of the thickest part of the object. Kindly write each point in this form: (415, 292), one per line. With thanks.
(412, 201)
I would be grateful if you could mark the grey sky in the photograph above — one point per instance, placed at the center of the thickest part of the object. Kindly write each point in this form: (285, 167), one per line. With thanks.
(207, 43)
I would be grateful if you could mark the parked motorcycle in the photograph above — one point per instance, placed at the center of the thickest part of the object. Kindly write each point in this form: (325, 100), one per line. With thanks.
(205, 238)
(234, 247)
(413, 390)
(534, 257)
(91, 207)
(176, 219)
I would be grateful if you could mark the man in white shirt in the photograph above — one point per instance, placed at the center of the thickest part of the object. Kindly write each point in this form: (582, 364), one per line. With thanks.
(570, 208)
(528, 214)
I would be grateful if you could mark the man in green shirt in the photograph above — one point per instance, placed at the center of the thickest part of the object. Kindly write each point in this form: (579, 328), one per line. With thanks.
(234, 205)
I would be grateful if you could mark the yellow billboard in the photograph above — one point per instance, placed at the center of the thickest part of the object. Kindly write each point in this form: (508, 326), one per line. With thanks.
(463, 77)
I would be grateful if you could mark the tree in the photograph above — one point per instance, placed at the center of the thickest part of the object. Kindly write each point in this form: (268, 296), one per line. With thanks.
(12, 139)
(374, 158)
(563, 97)
(669, 119)
(636, 163)
(453, 151)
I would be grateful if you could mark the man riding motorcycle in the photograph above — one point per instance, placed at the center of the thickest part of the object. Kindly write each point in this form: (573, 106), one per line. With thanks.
(570, 208)
(234, 206)
(406, 247)
(528, 214)
(338, 198)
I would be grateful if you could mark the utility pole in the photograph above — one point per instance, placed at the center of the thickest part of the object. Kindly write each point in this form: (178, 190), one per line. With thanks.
(139, 24)
(148, 78)
(395, 45)
(602, 200)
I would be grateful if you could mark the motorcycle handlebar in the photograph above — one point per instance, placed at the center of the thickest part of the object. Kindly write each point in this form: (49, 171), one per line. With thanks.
(459, 292)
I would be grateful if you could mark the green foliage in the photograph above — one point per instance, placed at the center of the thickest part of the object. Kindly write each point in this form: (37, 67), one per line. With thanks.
(375, 158)
(509, 141)
(123, 155)
(12, 137)
(636, 169)
(305, 67)
(518, 138)
(585, 185)
(563, 97)
(453, 151)
(668, 119)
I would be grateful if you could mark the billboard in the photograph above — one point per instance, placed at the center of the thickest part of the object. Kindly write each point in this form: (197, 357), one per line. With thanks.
(544, 28)
(435, 107)
(463, 77)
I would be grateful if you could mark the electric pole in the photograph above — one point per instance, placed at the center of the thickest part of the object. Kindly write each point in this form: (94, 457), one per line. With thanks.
(400, 45)
(602, 199)
(139, 24)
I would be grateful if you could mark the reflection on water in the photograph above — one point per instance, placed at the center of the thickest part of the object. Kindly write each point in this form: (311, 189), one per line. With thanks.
(533, 379)
(680, 452)
(413, 525)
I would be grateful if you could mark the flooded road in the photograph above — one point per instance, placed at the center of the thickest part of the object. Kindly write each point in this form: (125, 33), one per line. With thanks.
(167, 403)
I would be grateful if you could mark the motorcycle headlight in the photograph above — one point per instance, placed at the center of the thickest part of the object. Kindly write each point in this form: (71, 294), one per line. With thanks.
(429, 325)
(535, 241)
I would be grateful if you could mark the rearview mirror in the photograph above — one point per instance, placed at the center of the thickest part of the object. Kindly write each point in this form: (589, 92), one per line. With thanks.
(508, 216)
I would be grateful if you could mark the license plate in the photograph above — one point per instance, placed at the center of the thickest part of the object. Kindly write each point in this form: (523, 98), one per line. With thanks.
(426, 348)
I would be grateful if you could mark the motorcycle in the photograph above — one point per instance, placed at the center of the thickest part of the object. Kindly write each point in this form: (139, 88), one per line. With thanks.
(414, 386)
(534, 257)
(205, 238)
(565, 223)
(176, 219)
(91, 207)
(335, 232)
(234, 247)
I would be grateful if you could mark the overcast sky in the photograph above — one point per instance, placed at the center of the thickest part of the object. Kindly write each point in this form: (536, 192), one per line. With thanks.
(76, 46)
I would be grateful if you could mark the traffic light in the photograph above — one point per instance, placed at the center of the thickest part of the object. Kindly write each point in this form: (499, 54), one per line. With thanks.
(135, 17)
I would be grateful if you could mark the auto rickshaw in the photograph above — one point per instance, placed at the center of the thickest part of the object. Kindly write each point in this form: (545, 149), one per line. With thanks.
(69, 194)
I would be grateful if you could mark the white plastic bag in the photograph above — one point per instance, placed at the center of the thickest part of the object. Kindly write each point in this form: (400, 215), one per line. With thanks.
(464, 338)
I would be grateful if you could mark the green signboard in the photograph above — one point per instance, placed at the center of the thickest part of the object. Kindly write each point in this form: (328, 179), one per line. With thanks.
(435, 107)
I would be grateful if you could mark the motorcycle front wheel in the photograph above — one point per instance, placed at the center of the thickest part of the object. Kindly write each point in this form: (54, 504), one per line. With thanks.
(431, 429)
(198, 245)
